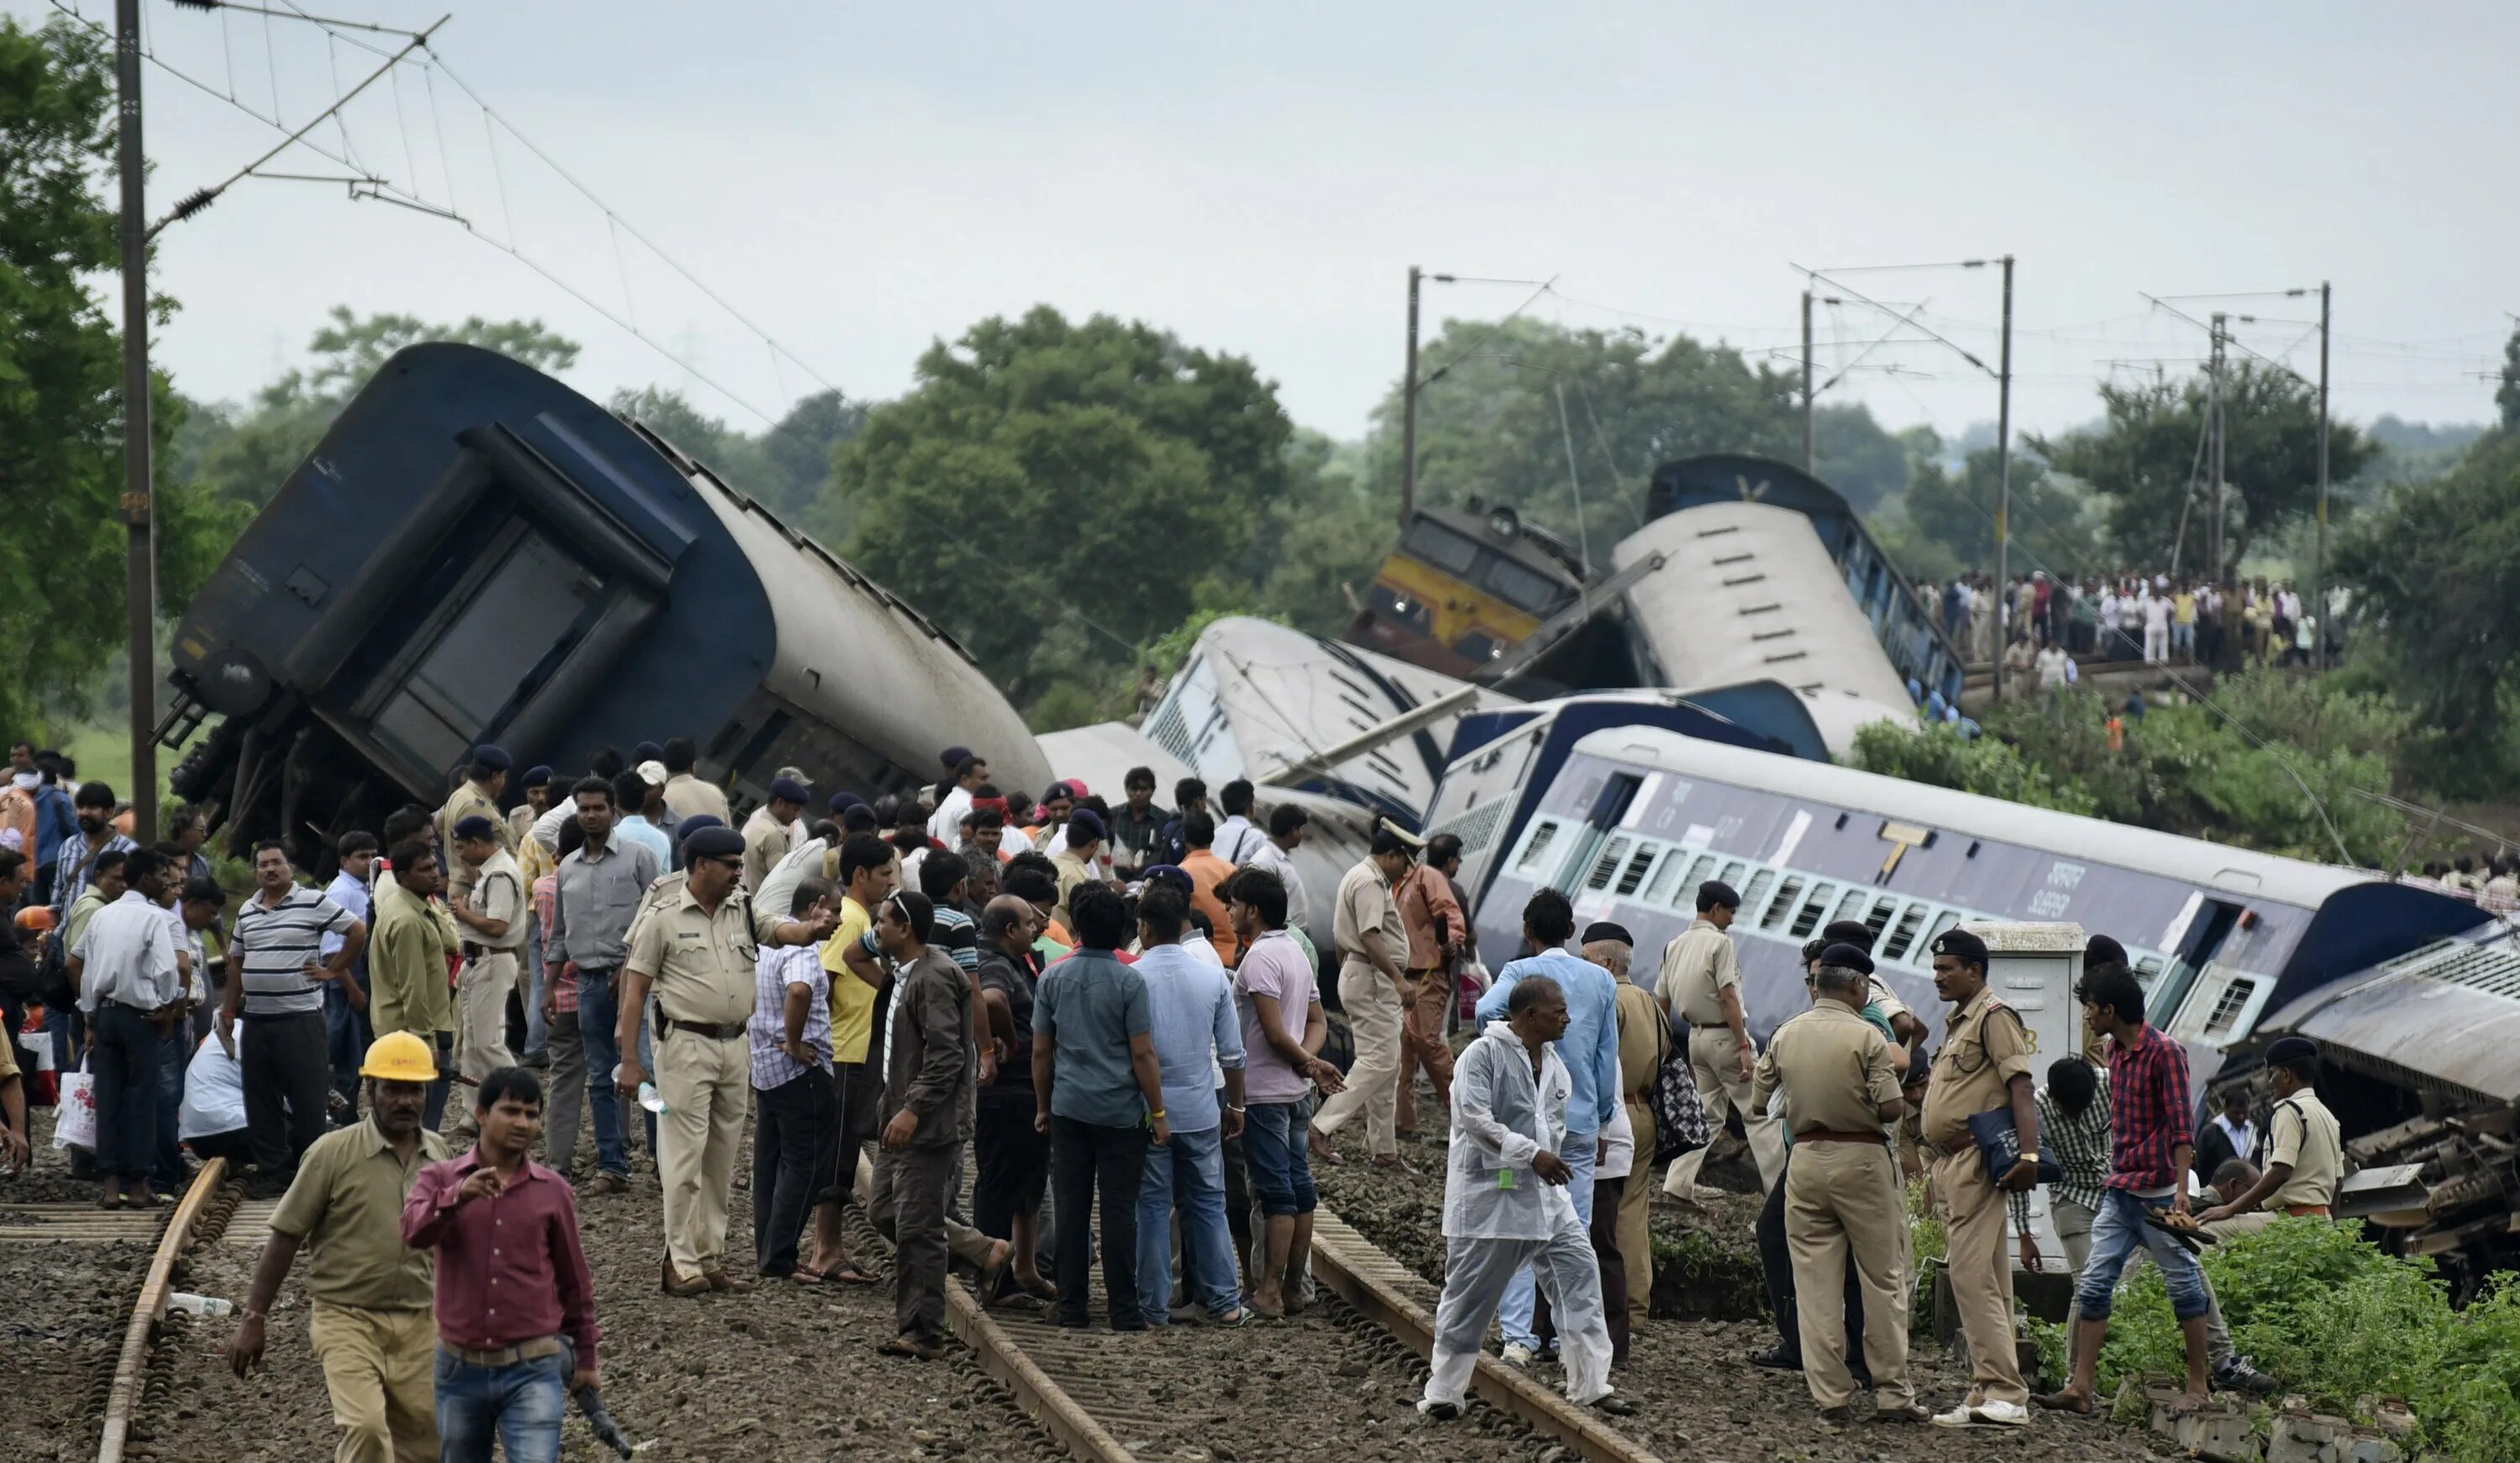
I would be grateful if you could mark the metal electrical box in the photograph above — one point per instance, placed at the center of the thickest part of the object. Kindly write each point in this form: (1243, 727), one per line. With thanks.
(2034, 968)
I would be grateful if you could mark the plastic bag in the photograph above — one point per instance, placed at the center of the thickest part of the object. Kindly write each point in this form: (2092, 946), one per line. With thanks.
(77, 1125)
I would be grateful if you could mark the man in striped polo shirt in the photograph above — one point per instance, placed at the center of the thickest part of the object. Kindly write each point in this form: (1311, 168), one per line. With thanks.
(276, 980)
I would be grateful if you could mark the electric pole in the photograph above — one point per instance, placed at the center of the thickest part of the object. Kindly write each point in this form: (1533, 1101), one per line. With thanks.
(136, 479)
(2319, 562)
(2003, 488)
(1408, 413)
(2214, 522)
(1808, 457)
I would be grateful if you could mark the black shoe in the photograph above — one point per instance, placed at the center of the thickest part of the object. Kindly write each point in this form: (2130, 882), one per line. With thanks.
(1780, 1357)
(1134, 1326)
(2236, 1374)
(1838, 1417)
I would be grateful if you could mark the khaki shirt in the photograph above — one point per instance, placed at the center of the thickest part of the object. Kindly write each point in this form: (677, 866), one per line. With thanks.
(346, 1203)
(1984, 1047)
(2302, 1134)
(1835, 1068)
(521, 828)
(688, 796)
(1073, 874)
(466, 801)
(701, 965)
(766, 841)
(1365, 902)
(499, 893)
(1697, 965)
(407, 965)
(1645, 1042)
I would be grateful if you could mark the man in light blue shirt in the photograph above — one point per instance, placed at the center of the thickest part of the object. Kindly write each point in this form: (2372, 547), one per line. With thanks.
(1197, 1030)
(629, 791)
(1590, 1050)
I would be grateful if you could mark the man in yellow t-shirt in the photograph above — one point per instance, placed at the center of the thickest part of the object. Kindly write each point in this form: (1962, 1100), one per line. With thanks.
(866, 871)
(2182, 622)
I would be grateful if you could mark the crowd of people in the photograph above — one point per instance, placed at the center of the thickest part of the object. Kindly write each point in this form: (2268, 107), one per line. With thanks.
(2161, 618)
(1111, 1014)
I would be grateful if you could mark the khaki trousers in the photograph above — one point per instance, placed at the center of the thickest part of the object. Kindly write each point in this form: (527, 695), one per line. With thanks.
(1636, 1206)
(481, 989)
(708, 1088)
(1841, 1197)
(1715, 1061)
(1374, 1018)
(381, 1367)
(1974, 1223)
(1422, 1045)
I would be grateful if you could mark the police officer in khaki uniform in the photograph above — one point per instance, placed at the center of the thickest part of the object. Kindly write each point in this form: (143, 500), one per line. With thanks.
(493, 918)
(1840, 1077)
(1701, 983)
(2305, 1153)
(477, 796)
(696, 949)
(1982, 1065)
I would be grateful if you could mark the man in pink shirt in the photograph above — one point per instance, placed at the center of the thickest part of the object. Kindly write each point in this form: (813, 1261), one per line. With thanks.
(514, 1301)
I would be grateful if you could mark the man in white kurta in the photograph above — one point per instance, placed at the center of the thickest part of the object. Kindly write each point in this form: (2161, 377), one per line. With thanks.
(1505, 1206)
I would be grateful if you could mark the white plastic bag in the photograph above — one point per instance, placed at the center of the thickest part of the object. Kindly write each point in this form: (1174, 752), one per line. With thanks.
(76, 1127)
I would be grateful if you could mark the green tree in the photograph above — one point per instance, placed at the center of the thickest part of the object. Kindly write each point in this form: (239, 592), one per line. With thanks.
(737, 458)
(2438, 567)
(799, 450)
(1489, 425)
(1956, 512)
(62, 562)
(1099, 477)
(2506, 395)
(2143, 461)
(245, 453)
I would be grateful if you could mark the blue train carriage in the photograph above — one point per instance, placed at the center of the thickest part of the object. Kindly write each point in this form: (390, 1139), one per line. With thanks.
(476, 552)
(1637, 817)
(1899, 618)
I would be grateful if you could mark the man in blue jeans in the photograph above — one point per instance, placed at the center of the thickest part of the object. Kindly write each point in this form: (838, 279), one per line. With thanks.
(1100, 1095)
(600, 883)
(1591, 1050)
(515, 1300)
(345, 1010)
(1279, 991)
(1190, 1015)
(2155, 1140)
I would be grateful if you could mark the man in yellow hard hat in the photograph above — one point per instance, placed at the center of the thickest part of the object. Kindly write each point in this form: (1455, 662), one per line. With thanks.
(370, 1296)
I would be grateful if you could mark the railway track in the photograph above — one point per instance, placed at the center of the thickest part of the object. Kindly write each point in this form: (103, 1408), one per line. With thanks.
(209, 1210)
(1089, 1392)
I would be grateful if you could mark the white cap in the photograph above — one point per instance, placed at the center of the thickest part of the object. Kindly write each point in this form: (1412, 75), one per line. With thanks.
(652, 773)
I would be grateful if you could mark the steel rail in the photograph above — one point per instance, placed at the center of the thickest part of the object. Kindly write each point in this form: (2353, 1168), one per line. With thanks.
(152, 1307)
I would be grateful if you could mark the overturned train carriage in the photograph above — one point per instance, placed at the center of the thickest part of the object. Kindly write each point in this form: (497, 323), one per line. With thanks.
(2422, 1070)
(476, 552)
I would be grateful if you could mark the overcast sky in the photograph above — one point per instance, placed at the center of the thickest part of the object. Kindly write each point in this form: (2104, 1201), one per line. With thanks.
(859, 180)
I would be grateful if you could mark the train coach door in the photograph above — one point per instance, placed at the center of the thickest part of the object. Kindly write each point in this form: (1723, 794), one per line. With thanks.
(484, 646)
(2195, 938)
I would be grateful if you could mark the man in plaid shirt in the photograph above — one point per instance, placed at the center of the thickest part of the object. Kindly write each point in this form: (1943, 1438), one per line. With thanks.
(2155, 1139)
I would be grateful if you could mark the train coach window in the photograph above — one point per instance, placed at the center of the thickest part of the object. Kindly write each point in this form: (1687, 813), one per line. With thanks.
(1698, 873)
(1731, 874)
(1757, 893)
(1879, 918)
(1524, 589)
(1634, 875)
(1903, 934)
(1542, 836)
(1942, 923)
(1791, 891)
(2146, 971)
(1849, 908)
(1606, 864)
(1666, 878)
(1441, 546)
(2227, 1007)
(1815, 909)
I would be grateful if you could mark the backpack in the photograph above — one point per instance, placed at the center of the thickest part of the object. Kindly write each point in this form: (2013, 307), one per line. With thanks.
(1680, 1117)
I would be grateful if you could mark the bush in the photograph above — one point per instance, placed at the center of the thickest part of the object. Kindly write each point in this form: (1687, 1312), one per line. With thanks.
(2341, 1322)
